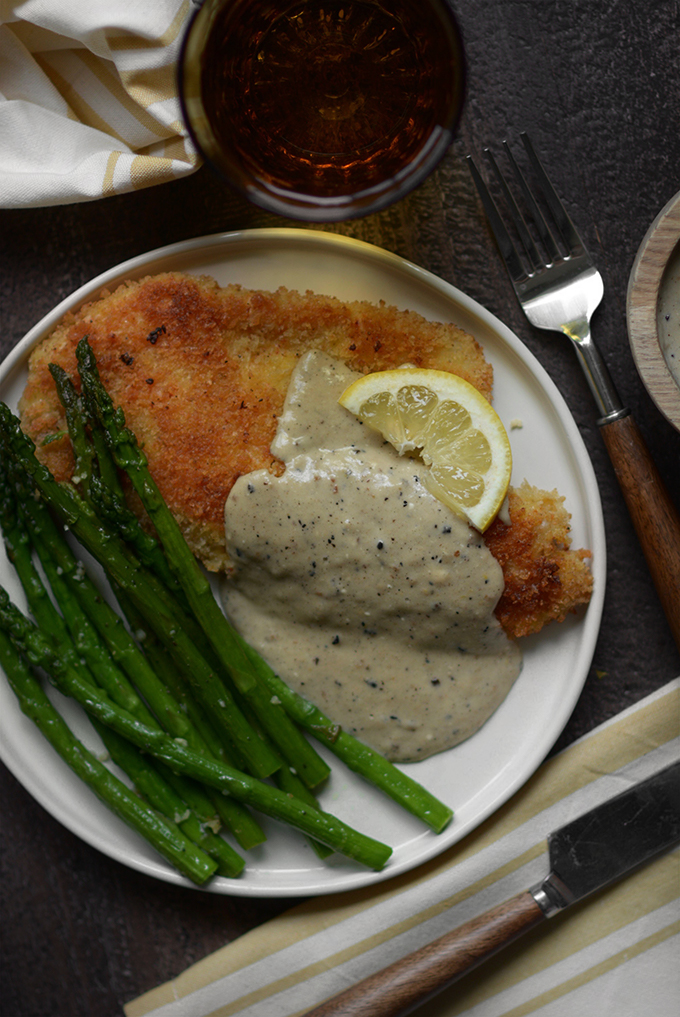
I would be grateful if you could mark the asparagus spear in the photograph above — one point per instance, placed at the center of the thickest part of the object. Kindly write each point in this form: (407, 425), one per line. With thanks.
(129, 457)
(126, 571)
(269, 800)
(101, 487)
(363, 760)
(20, 554)
(81, 599)
(249, 833)
(172, 793)
(71, 596)
(358, 757)
(205, 812)
(106, 495)
(235, 816)
(287, 780)
(82, 449)
(296, 749)
(156, 788)
(164, 836)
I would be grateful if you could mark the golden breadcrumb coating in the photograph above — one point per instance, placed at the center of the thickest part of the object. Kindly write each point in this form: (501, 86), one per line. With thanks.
(201, 372)
(544, 579)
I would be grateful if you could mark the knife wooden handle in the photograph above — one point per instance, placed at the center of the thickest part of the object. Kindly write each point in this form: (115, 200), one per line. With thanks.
(654, 516)
(399, 988)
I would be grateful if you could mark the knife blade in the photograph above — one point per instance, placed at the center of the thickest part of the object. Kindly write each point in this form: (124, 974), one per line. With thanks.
(602, 845)
(587, 854)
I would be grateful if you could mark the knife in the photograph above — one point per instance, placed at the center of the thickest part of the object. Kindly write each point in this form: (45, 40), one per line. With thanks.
(587, 854)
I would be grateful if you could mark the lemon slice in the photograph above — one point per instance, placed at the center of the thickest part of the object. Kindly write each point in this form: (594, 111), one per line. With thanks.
(458, 434)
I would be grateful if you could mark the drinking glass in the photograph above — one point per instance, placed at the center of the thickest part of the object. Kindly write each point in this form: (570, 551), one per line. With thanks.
(322, 110)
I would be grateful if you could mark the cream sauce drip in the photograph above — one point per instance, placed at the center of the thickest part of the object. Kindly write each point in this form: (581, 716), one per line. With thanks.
(363, 592)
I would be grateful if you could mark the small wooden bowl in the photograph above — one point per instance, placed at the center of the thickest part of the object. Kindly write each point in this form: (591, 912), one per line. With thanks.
(644, 285)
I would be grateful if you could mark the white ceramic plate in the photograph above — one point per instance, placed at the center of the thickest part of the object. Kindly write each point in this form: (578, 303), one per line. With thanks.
(476, 777)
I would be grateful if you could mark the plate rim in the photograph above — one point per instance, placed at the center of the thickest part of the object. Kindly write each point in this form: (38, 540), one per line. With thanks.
(590, 621)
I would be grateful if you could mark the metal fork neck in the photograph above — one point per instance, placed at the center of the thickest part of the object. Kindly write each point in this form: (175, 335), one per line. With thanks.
(597, 374)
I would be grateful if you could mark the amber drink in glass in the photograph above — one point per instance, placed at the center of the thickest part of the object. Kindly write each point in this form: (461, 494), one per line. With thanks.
(322, 109)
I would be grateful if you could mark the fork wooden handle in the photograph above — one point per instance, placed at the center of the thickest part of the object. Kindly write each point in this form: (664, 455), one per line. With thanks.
(399, 988)
(654, 516)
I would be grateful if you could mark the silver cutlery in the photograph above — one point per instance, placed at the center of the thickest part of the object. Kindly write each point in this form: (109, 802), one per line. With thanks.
(587, 854)
(559, 288)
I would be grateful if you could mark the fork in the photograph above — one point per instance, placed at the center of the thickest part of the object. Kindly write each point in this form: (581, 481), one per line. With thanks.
(559, 288)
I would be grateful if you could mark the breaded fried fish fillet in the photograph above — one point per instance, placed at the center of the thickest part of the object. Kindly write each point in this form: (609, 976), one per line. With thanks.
(202, 372)
(544, 578)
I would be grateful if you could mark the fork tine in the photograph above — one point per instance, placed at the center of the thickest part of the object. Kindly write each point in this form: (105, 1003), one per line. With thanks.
(503, 239)
(534, 257)
(541, 225)
(565, 225)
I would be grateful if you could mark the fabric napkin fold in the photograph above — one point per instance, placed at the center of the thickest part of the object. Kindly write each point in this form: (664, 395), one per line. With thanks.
(88, 99)
(614, 954)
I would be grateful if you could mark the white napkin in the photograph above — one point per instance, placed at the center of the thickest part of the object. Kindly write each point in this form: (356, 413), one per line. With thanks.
(613, 955)
(88, 99)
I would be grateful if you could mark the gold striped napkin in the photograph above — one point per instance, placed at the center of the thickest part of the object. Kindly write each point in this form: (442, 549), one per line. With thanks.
(88, 99)
(616, 953)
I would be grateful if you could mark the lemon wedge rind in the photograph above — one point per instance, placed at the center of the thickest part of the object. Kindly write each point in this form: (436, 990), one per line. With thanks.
(455, 430)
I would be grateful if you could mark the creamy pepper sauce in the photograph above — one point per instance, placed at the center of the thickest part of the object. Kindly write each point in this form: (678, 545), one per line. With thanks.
(363, 592)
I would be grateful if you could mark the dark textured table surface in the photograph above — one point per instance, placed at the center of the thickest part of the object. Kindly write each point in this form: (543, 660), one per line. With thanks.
(597, 87)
